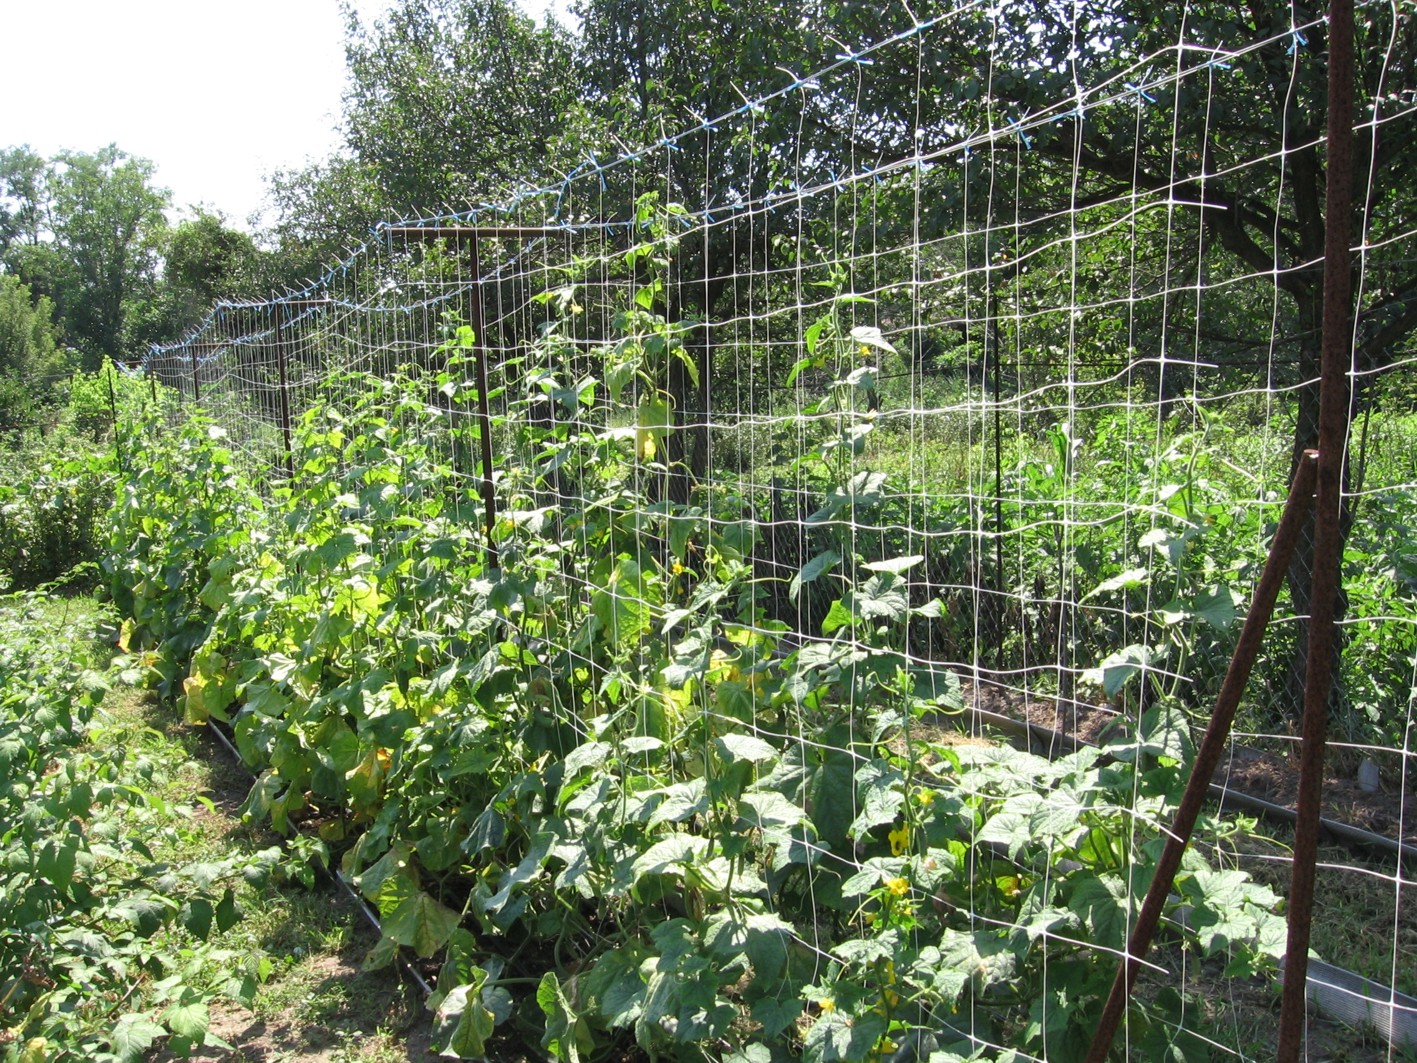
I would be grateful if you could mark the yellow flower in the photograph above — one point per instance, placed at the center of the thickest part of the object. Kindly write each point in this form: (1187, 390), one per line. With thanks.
(900, 840)
(925, 798)
(898, 886)
(827, 1006)
(677, 569)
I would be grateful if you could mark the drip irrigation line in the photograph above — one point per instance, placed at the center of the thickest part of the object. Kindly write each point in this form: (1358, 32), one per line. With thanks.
(1361, 1003)
(334, 874)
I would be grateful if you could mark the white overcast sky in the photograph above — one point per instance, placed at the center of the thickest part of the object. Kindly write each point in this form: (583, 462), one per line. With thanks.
(216, 93)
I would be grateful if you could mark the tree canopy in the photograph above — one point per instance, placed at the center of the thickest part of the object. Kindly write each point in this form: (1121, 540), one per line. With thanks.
(86, 236)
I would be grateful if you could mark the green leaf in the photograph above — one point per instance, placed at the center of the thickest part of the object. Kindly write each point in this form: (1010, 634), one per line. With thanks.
(827, 787)
(586, 755)
(802, 363)
(777, 1015)
(669, 854)
(839, 1037)
(880, 791)
(735, 747)
(870, 336)
(133, 1035)
(1009, 826)
(691, 365)
(1132, 577)
(823, 562)
(681, 528)
(757, 1053)
(863, 377)
(422, 924)
(873, 872)
(528, 870)
(189, 1017)
(883, 596)
(464, 1019)
(616, 988)
(381, 955)
(57, 860)
(769, 810)
(567, 1034)
(621, 608)
(1217, 607)
(654, 420)
(1100, 902)
(1118, 668)
(197, 917)
(682, 801)
(227, 914)
(895, 565)
(838, 617)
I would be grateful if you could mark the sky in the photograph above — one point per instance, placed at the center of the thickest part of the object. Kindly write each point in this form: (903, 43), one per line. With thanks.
(215, 93)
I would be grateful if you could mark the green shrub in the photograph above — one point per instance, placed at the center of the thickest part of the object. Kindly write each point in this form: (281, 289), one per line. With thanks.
(50, 518)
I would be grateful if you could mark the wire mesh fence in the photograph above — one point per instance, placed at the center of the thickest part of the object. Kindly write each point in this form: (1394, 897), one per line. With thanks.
(831, 443)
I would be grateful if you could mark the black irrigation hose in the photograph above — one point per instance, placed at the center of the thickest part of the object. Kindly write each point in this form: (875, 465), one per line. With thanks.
(334, 874)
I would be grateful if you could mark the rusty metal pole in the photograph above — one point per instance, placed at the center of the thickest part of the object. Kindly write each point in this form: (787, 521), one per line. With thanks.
(1281, 551)
(284, 394)
(1328, 533)
(470, 235)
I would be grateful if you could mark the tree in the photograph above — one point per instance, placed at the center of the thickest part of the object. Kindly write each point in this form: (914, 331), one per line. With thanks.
(107, 225)
(205, 262)
(22, 198)
(321, 211)
(452, 102)
(32, 363)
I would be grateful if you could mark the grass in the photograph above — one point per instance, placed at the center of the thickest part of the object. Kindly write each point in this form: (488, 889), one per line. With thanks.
(315, 1001)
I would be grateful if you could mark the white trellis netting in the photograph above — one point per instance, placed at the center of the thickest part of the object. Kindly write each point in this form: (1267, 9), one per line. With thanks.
(1000, 387)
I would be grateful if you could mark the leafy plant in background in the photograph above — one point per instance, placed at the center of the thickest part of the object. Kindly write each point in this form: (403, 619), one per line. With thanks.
(51, 521)
(1177, 607)
(108, 398)
(55, 487)
(181, 520)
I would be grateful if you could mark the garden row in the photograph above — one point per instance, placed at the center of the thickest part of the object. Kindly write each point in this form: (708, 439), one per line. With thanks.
(621, 801)
(107, 944)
